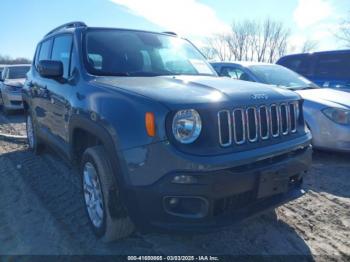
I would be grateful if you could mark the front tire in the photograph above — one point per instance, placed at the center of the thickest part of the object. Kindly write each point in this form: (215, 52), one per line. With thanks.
(107, 215)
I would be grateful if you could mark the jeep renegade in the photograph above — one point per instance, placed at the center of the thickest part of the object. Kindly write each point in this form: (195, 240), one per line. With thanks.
(162, 142)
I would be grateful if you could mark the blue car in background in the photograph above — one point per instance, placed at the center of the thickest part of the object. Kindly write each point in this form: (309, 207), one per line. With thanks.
(326, 69)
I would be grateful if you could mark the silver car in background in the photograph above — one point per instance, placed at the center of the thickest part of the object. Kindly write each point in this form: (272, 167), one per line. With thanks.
(326, 111)
(11, 83)
(1, 68)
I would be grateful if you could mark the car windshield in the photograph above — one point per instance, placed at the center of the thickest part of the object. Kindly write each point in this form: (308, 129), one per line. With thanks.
(280, 76)
(18, 72)
(134, 53)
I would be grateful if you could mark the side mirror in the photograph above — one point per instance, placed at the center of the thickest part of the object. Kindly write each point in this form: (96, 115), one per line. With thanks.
(50, 69)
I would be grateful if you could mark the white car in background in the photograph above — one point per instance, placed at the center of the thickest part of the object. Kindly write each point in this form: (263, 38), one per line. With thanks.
(11, 83)
(1, 69)
(326, 110)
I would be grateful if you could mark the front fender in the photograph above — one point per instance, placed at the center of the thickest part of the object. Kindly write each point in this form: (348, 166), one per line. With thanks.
(123, 114)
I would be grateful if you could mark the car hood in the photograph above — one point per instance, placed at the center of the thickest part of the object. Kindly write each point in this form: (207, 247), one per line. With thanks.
(178, 90)
(15, 82)
(327, 97)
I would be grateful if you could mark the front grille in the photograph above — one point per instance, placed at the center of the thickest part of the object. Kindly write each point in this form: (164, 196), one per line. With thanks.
(224, 122)
(252, 124)
(264, 117)
(284, 117)
(239, 128)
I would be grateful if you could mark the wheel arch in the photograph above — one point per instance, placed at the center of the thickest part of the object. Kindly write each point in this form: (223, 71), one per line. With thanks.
(104, 136)
(86, 132)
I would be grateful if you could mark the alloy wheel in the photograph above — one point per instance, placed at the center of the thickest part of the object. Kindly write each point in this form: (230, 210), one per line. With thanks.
(93, 195)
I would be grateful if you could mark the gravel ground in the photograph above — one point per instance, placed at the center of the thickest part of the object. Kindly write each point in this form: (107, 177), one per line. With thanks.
(12, 124)
(42, 213)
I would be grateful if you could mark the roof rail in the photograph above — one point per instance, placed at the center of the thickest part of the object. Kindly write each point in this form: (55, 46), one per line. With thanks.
(170, 33)
(67, 25)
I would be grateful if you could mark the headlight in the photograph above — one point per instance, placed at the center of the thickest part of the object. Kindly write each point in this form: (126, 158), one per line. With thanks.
(187, 126)
(337, 115)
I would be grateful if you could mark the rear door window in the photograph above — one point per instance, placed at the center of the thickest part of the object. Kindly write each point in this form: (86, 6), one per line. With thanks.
(333, 65)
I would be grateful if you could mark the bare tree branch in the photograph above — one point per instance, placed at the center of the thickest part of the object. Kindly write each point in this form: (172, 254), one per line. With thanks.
(309, 46)
(251, 41)
(344, 31)
(216, 47)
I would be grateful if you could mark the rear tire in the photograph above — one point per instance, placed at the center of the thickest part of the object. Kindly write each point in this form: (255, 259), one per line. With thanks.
(32, 138)
(1, 101)
(107, 215)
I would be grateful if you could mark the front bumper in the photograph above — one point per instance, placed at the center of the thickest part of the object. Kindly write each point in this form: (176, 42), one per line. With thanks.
(12, 100)
(221, 197)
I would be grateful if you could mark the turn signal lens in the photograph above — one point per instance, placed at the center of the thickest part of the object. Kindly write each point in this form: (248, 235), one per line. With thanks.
(150, 124)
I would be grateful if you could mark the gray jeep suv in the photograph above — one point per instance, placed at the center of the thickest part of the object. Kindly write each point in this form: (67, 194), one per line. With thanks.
(162, 142)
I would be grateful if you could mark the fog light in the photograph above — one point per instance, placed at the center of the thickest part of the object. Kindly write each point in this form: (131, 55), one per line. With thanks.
(195, 207)
(184, 179)
(173, 201)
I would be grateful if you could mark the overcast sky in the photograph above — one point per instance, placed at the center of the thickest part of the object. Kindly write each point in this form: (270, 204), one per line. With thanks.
(24, 22)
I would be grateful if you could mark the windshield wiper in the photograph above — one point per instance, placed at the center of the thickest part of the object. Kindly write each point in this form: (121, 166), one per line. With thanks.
(143, 73)
(120, 74)
(155, 73)
(306, 88)
(146, 74)
(296, 88)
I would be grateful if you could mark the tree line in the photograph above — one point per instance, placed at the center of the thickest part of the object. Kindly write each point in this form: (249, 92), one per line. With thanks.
(251, 40)
(7, 60)
(262, 41)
